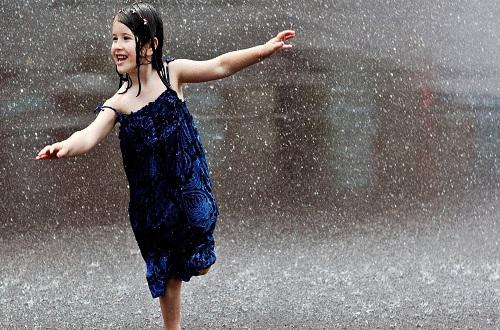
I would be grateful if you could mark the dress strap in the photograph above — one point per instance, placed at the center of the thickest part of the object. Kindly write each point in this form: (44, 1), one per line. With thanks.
(101, 107)
(167, 59)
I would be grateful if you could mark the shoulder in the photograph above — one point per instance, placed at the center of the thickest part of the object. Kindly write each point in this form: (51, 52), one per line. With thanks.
(170, 63)
(194, 71)
(173, 67)
(176, 63)
(114, 101)
(119, 98)
(176, 69)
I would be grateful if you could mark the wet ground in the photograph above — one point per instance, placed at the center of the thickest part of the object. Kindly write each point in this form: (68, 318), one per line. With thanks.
(316, 155)
(435, 265)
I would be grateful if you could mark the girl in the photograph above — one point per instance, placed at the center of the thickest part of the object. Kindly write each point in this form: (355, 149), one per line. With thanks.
(172, 209)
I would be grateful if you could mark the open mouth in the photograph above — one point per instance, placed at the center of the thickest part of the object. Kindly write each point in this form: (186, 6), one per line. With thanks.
(120, 59)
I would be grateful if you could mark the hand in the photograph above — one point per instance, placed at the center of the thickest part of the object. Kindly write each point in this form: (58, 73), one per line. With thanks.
(53, 151)
(278, 43)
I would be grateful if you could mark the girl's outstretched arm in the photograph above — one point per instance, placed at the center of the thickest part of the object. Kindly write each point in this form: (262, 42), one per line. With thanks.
(81, 141)
(188, 71)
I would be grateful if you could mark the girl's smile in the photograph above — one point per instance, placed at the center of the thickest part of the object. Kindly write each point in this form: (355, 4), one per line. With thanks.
(123, 48)
(120, 59)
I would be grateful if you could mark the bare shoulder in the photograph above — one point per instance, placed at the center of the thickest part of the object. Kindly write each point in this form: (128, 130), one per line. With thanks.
(117, 100)
(175, 68)
(178, 65)
(114, 100)
(186, 71)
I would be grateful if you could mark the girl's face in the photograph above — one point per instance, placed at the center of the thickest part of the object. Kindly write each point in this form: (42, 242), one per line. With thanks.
(123, 48)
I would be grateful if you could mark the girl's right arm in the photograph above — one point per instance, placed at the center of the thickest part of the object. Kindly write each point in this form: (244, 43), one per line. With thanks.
(84, 140)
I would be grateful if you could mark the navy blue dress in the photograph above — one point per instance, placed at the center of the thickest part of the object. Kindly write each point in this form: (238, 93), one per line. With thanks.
(172, 208)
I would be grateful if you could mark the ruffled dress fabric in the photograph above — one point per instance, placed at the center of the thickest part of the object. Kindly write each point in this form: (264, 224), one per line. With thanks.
(172, 208)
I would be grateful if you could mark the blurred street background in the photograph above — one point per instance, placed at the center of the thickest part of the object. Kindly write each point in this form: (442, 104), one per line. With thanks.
(357, 174)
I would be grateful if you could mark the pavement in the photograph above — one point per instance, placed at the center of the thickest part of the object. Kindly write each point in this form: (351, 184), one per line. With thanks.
(435, 265)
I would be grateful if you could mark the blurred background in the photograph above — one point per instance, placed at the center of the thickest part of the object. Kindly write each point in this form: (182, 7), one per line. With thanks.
(381, 106)
(379, 103)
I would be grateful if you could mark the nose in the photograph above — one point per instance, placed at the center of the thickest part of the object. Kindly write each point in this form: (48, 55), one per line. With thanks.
(115, 46)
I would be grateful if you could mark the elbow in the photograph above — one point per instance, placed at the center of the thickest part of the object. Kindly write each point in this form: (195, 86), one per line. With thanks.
(223, 69)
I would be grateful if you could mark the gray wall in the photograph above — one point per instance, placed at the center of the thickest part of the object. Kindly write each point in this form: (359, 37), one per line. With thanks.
(379, 105)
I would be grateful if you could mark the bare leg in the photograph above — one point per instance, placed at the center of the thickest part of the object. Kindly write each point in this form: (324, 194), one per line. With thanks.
(203, 271)
(170, 304)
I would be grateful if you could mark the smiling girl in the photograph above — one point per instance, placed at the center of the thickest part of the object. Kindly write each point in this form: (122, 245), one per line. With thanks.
(172, 208)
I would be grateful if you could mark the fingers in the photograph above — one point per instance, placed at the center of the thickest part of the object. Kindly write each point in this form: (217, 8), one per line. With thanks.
(282, 37)
(285, 35)
(44, 153)
(55, 148)
(53, 151)
(61, 153)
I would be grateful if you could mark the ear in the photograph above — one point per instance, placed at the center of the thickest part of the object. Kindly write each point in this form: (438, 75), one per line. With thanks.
(155, 41)
(149, 50)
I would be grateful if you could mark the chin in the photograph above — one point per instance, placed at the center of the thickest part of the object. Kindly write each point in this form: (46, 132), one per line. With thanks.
(122, 70)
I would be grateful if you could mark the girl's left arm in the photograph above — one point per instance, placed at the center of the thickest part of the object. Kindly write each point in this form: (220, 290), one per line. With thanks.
(189, 71)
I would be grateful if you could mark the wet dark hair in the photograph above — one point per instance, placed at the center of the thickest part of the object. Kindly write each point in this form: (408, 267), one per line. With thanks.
(145, 23)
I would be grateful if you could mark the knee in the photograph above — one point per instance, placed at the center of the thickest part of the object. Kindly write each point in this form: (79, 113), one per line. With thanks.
(203, 271)
(173, 284)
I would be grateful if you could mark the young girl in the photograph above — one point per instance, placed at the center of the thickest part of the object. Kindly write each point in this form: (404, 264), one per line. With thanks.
(172, 209)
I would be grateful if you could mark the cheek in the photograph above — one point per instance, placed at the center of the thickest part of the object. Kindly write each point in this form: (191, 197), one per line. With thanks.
(131, 50)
